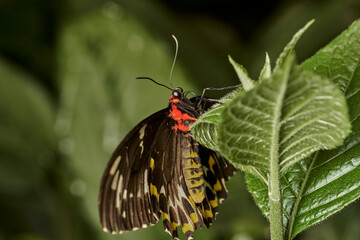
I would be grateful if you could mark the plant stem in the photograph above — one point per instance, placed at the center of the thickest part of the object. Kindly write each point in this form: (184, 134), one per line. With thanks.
(276, 223)
(276, 229)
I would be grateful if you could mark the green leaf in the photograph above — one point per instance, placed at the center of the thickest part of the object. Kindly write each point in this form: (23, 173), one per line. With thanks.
(335, 174)
(323, 184)
(307, 111)
(339, 61)
(204, 129)
(246, 81)
(266, 70)
(289, 48)
(314, 188)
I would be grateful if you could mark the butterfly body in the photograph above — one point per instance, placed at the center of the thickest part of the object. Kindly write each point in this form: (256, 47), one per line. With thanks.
(159, 170)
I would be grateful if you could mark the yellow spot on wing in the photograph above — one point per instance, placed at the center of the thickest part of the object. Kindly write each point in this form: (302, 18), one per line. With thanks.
(211, 164)
(174, 225)
(213, 203)
(187, 227)
(217, 186)
(152, 164)
(209, 213)
(194, 217)
(165, 216)
(153, 191)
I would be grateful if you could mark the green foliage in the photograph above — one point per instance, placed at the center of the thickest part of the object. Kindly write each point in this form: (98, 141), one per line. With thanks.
(289, 48)
(205, 130)
(286, 120)
(246, 81)
(294, 113)
(266, 70)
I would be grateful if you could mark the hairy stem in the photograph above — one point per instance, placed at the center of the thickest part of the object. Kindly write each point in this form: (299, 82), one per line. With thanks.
(276, 228)
(276, 223)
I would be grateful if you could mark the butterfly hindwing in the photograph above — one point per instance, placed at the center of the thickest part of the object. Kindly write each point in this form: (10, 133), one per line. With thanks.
(169, 191)
(124, 199)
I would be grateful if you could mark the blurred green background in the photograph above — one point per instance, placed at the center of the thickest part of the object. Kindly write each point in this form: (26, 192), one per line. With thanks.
(68, 95)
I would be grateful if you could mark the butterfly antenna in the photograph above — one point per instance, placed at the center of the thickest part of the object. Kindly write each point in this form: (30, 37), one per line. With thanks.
(173, 65)
(147, 78)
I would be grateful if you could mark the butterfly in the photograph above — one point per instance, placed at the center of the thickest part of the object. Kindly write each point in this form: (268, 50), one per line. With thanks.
(160, 171)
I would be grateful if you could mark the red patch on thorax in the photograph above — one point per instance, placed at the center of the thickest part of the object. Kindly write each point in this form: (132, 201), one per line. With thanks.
(180, 117)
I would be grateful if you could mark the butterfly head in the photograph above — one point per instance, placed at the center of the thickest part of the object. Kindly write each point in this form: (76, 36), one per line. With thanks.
(179, 98)
(177, 95)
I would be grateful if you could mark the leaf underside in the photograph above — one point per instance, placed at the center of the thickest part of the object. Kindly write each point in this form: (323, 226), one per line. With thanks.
(303, 108)
(205, 129)
(324, 183)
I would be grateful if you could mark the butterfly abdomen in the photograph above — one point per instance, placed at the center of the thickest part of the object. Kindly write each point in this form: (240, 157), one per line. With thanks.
(192, 169)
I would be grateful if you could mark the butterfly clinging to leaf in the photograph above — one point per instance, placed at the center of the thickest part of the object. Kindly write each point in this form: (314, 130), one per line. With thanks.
(160, 171)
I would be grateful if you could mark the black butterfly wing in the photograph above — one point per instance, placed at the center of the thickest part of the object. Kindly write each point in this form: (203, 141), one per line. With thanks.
(124, 199)
(217, 170)
(146, 178)
(179, 165)
(169, 193)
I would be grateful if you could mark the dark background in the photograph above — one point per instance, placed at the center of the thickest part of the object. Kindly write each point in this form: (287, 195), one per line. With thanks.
(68, 95)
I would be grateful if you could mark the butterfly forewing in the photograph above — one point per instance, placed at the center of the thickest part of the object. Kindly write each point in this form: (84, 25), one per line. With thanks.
(124, 200)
